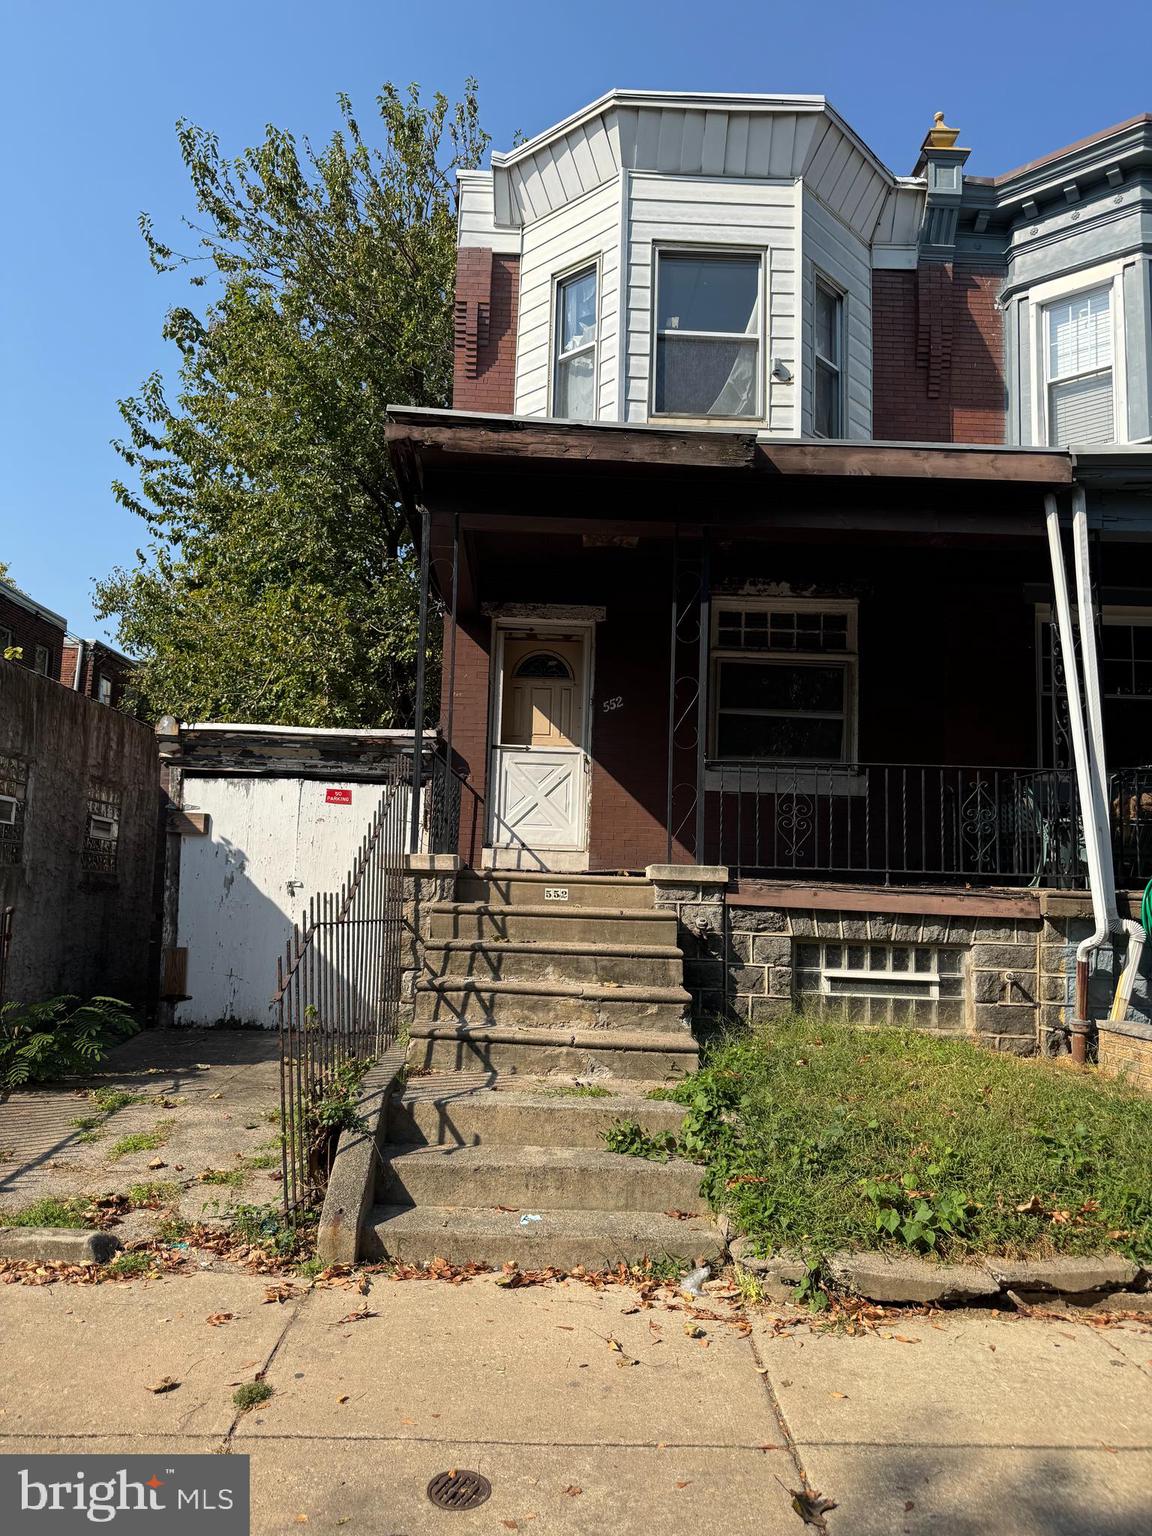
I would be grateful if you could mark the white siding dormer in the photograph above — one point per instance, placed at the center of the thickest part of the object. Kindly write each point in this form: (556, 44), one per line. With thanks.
(776, 181)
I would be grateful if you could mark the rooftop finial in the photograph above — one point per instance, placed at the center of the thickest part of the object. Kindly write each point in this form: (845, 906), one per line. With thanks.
(940, 136)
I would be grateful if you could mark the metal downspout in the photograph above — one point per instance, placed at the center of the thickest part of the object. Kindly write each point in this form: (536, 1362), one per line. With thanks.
(1103, 900)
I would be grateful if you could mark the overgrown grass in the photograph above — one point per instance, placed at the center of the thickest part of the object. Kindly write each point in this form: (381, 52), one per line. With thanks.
(579, 1091)
(231, 1178)
(51, 1211)
(155, 1194)
(251, 1394)
(141, 1141)
(817, 1135)
(128, 1265)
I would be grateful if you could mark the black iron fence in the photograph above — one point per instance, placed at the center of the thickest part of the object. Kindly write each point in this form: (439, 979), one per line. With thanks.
(1130, 793)
(895, 822)
(338, 992)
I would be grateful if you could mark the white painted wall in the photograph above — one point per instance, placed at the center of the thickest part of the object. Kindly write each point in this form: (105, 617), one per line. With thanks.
(829, 247)
(715, 212)
(272, 843)
(581, 232)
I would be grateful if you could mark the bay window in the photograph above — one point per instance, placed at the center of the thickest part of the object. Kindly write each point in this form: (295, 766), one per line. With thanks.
(1078, 369)
(708, 335)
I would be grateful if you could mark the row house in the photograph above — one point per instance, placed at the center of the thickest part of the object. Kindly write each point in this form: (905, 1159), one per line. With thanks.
(791, 526)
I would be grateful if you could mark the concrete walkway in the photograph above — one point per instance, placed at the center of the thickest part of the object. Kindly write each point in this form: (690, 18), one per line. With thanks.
(954, 1426)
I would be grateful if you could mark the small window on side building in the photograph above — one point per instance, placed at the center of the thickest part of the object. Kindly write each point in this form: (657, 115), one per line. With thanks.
(43, 660)
(104, 689)
(827, 351)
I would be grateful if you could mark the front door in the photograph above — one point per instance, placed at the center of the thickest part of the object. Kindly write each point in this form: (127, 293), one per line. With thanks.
(541, 760)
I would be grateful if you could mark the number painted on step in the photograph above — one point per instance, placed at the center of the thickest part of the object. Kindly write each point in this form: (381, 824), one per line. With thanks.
(555, 893)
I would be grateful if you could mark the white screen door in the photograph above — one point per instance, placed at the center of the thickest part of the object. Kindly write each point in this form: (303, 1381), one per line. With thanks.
(541, 763)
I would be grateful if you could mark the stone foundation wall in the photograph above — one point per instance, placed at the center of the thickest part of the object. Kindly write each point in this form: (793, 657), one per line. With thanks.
(431, 877)
(1006, 980)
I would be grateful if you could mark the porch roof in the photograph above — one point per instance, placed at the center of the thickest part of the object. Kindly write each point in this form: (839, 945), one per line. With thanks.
(423, 439)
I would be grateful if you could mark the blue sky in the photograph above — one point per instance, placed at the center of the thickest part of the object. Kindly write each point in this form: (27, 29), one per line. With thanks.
(90, 94)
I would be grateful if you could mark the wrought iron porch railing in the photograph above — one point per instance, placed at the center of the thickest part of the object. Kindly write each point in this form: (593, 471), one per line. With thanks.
(1131, 806)
(896, 823)
(338, 990)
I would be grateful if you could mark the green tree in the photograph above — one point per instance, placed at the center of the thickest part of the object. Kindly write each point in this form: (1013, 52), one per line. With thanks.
(277, 584)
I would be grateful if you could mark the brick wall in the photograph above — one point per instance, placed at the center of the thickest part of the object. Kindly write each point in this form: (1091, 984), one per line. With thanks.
(938, 369)
(28, 630)
(98, 662)
(484, 365)
(469, 727)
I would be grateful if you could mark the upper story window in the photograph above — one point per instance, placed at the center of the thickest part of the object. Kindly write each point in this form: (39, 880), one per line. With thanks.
(104, 689)
(827, 352)
(574, 389)
(784, 680)
(1078, 367)
(708, 335)
(43, 660)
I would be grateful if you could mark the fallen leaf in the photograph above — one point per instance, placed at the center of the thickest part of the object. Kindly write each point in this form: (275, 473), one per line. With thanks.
(572, 1490)
(157, 1162)
(908, 1504)
(509, 1525)
(771, 1447)
(841, 1396)
(812, 1507)
(508, 1209)
(165, 1384)
(343, 1399)
(1027, 1207)
(359, 1316)
(217, 1319)
(300, 1519)
(902, 1338)
(684, 1483)
(693, 1331)
(279, 1293)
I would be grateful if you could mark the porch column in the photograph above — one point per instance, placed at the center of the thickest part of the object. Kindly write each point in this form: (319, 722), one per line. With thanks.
(421, 668)
(687, 744)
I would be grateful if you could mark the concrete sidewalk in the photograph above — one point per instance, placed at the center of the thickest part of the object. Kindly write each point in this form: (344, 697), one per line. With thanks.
(956, 1425)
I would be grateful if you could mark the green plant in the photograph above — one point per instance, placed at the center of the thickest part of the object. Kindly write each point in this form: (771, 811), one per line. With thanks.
(812, 1291)
(919, 1217)
(816, 1135)
(106, 1102)
(173, 1229)
(232, 1178)
(309, 1268)
(251, 1394)
(126, 1265)
(630, 1138)
(160, 1193)
(579, 1091)
(264, 1226)
(141, 1141)
(51, 1211)
(60, 1037)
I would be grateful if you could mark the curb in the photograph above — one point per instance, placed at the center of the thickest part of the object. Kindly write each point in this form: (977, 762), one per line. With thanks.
(58, 1245)
(352, 1178)
(877, 1276)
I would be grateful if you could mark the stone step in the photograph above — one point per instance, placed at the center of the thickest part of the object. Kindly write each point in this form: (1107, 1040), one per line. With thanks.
(548, 1004)
(541, 924)
(593, 1055)
(559, 1240)
(447, 1109)
(653, 965)
(529, 888)
(536, 1178)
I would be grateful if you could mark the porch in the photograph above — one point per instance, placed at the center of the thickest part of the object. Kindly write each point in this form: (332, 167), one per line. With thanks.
(808, 662)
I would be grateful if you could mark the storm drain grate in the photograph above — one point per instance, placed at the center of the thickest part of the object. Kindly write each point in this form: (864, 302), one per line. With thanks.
(459, 1490)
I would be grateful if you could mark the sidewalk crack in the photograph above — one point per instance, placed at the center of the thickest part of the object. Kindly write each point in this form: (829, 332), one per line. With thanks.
(226, 1443)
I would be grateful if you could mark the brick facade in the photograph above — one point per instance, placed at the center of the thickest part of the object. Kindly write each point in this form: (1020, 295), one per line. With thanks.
(99, 663)
(484, 364)
(938, 368)
(26, 625)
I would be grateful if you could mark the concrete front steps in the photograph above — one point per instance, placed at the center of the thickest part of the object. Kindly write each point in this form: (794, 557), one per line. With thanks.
(534, 984)
(472, 1154)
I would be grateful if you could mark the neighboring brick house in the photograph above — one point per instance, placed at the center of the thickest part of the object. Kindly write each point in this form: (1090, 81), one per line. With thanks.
(104, 674)
(747, 521)
(28, 627)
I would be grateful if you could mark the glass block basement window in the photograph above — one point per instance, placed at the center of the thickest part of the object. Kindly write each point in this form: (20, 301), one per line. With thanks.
(915, 984)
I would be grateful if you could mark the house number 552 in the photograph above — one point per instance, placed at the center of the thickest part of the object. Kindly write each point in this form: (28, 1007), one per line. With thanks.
(615, 703)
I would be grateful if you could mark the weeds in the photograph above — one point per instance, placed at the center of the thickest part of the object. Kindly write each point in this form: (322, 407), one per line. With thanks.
(127, 1265)
(630, 1137)
(141, 1141)
(264, 1226)
(231, 1178)
(817, 1135)
(579, 1091)
(251, 1394)
(154, 1195)
(105, 1102)
(50, 1212)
